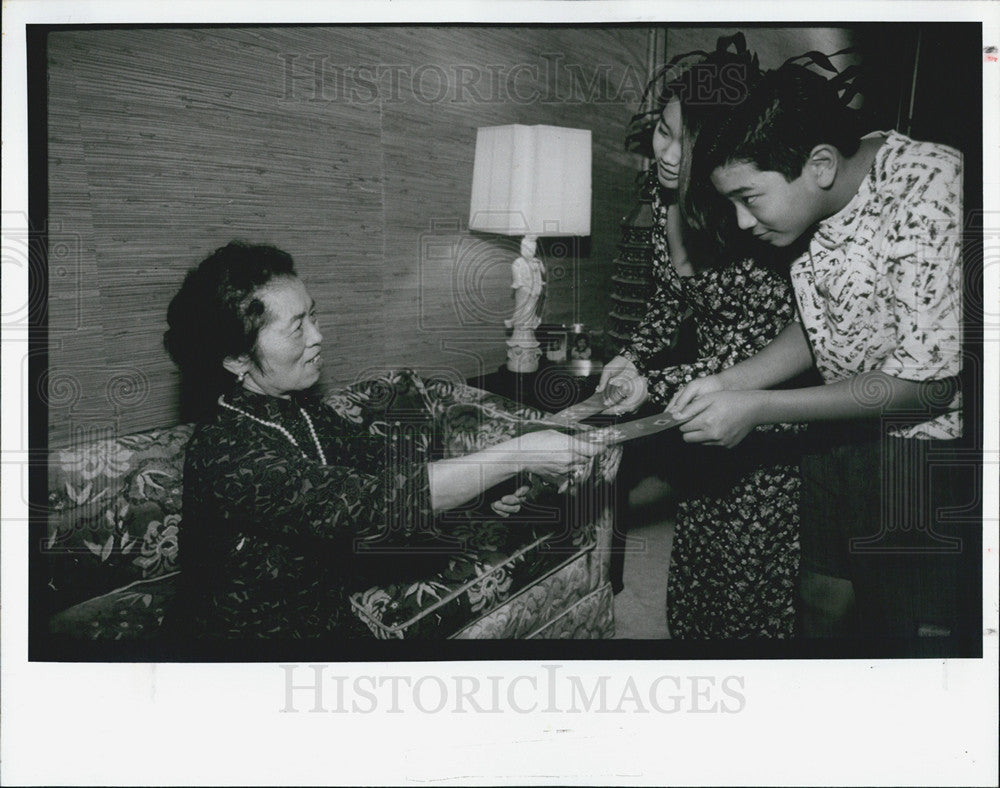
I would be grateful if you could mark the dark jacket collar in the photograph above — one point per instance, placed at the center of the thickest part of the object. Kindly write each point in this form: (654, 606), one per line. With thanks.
(268, 407)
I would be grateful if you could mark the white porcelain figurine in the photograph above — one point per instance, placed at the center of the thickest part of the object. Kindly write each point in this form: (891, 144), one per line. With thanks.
(528, 275)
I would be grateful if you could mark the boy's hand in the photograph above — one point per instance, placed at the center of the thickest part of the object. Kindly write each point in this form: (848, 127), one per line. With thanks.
(696, 388)
(511, 504)
(721, 418)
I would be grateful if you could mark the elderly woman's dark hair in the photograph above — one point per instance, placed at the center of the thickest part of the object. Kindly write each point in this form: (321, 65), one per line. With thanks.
(216, 314)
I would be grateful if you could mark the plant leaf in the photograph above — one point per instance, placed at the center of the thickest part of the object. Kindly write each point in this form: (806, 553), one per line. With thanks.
(849, 93)
(737, 40)
(845, 51)
(843, 80)
(78, 496)
(106, 550)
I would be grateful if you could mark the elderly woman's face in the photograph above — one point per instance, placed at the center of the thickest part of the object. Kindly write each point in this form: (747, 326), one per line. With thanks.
(288, 346)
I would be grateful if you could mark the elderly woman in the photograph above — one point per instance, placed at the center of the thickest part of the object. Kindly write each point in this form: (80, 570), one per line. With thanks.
(277, 486)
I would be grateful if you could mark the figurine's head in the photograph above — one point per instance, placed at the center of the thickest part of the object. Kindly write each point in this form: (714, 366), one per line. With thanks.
(529, 244)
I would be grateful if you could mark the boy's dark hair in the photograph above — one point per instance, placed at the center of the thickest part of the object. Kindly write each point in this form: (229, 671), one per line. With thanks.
(217, 314)
(786, 114)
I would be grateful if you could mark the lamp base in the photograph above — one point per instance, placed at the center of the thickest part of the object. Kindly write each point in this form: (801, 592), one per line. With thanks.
(523, 351)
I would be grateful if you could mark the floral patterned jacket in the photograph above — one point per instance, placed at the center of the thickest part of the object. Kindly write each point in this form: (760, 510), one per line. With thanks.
(270, 531)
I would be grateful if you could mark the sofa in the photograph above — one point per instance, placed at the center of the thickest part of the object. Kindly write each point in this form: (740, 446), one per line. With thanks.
(111, 552)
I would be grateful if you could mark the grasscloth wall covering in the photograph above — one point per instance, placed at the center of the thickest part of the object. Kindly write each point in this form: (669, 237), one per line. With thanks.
(351, 147)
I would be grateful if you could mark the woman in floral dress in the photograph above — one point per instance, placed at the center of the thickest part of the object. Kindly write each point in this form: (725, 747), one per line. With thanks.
(735, 555)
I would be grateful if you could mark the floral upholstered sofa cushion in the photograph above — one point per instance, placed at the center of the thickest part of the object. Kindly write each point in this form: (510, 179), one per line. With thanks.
(114, 520)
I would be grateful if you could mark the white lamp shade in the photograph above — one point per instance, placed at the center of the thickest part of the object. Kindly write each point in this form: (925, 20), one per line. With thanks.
(531, 180)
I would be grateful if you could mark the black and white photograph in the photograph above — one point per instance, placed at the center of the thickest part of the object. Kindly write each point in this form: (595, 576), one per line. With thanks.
(473, 382)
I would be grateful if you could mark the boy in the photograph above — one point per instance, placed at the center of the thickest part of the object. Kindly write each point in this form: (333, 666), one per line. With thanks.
(876, 224)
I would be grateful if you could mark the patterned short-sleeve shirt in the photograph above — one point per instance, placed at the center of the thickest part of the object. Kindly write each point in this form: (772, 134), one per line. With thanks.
(880, 286)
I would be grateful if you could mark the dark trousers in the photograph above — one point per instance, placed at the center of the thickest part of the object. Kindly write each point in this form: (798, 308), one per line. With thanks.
(899, 519)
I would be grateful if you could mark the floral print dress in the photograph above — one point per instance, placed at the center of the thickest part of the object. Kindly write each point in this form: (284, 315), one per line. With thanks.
(735, 554)
(271, 533)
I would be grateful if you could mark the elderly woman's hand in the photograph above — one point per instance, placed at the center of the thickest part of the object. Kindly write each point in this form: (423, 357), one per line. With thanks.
(555, 457)
(511, 504)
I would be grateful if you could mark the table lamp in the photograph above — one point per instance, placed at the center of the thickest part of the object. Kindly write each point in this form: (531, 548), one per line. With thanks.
(530, 181)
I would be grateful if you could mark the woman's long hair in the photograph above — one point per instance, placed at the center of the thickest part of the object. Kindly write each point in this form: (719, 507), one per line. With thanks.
(707, 85)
